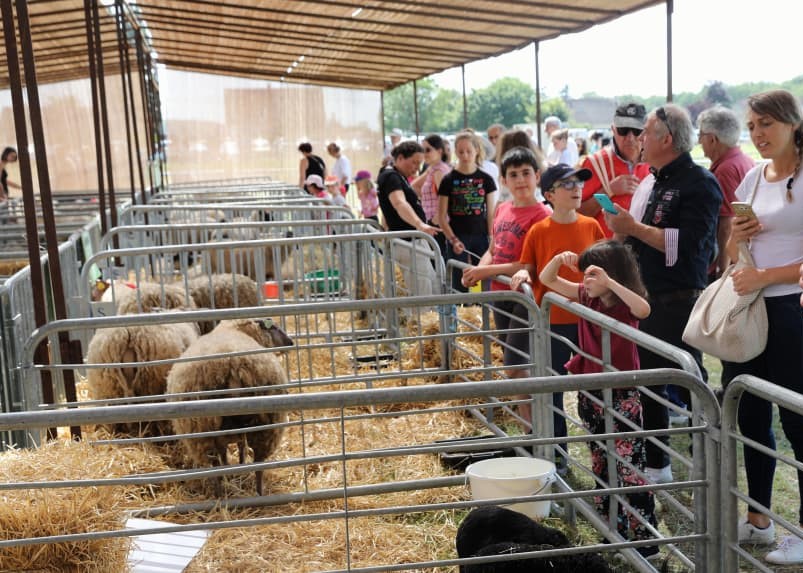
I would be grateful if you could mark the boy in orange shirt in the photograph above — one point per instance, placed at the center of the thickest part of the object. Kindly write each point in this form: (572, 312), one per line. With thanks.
(564, 230)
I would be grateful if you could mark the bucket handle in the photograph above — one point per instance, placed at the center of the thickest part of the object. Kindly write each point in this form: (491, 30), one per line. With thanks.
(547, 482)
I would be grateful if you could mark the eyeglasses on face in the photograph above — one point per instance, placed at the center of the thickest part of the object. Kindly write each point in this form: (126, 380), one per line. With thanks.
(624, 131)
(568, 184)
(702, 134)
(660, 113)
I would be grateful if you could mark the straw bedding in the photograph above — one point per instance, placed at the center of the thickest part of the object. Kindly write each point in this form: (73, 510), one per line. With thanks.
(301, 546)
(43, 512)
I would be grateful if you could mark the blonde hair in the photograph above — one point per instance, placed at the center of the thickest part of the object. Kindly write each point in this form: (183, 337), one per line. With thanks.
(474, 139)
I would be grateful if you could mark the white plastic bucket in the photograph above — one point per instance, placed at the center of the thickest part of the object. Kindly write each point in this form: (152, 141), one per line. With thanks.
(513, 477)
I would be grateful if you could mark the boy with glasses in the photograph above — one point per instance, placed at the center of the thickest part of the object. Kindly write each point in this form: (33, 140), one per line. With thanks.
(617, 169)
(564, 230)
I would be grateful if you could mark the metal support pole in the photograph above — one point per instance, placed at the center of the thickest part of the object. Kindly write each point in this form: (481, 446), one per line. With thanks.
(119, 25)
(382, 120)
(670, 8)
(93, 81)
(537, 94)
(147, 118)
(415, 108)
(104, 117)
(465, 101)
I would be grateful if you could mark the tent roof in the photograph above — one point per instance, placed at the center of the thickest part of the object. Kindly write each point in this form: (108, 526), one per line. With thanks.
(369, 44)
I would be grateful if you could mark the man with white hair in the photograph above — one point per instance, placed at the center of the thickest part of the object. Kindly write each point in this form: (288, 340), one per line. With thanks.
(719, 132)
(672, 232)
(570, 156)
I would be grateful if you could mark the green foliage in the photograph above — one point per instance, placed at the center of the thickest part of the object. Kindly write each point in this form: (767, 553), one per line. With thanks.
(506, 101)
(510, 101)
(555, 106)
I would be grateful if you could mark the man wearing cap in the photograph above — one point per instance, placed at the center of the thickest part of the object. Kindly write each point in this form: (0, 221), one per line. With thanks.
(673, 235)
(719, 136)
(563, 230)
(403, 212)
(616, 169)
(570, 155)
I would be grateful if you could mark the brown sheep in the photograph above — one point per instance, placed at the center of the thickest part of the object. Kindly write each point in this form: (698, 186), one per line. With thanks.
(218, 291)
(259, 371)
(147, 296)
(135, 344)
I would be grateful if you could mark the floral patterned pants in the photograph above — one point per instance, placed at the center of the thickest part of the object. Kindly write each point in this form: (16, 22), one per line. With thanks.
(627, 403)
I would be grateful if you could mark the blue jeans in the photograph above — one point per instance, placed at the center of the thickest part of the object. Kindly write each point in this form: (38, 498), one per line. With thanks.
(781, 363)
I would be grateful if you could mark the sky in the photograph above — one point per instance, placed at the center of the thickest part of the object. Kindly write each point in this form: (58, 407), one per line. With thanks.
(732, 41)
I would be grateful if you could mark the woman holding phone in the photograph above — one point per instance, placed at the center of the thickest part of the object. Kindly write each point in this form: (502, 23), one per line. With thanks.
(774, 193)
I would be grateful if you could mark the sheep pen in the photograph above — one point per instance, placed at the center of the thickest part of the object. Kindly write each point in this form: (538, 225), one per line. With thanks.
(320, 544)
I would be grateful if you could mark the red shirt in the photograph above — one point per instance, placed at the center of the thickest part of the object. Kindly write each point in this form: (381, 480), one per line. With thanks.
(729, 170)
(620, 167)
(624, 354)
(510, 227)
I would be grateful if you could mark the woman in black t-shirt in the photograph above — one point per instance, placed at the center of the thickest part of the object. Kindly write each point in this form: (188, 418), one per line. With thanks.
(310, 164)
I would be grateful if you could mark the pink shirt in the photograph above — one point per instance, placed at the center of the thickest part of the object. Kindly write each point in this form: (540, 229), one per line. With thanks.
(369, 203)
(429, 193)
(510, 227)
(729, 170)
(624, 354)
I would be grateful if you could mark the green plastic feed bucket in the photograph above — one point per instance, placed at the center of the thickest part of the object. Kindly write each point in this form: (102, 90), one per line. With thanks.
(513, 477)
(324, 280)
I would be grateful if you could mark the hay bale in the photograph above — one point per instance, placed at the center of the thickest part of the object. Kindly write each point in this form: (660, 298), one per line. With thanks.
(27, 513)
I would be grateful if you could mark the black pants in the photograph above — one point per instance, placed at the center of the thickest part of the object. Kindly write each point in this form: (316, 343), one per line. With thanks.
(781, 363)
(666, 321)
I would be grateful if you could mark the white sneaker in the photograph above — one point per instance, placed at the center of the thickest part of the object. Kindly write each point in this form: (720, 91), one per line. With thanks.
(659, 475)
(790, 550)
(750, 534)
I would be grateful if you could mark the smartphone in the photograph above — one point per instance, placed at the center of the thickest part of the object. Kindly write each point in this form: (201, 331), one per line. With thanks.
(743, 209)
(605, 202)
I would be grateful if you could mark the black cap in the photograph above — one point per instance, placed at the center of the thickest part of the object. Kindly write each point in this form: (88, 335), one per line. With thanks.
(560, 172)
(630, 115)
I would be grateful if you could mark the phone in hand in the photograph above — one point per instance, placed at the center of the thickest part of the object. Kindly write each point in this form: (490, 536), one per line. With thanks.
(605, 202)
(741, 209)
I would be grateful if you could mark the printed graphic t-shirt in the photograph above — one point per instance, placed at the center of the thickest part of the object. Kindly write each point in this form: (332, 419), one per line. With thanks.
(467, 194)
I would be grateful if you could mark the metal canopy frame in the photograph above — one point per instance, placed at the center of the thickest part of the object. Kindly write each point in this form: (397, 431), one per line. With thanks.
(365, 44)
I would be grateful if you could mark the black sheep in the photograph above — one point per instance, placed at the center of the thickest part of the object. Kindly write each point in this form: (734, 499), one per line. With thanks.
(493, 530)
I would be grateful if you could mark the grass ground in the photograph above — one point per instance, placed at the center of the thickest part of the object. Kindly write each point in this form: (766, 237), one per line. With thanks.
(785, 492)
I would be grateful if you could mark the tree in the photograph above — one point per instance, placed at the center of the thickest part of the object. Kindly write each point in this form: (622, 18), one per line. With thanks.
(400, 107)
(555, 106)
(507, 101)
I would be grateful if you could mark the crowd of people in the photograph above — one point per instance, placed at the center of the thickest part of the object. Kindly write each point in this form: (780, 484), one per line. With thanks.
(631, 227)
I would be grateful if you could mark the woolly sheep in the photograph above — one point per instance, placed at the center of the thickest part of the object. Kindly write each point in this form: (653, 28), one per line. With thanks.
(243, 260)
(218, 291)
(147, 296)
(259, 371)
(493, 530)
(135, 344)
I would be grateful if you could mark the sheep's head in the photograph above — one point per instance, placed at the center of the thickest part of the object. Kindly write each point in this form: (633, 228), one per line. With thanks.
(265, 331)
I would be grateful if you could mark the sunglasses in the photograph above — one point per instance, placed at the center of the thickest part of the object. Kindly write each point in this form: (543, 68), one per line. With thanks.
(624, 131)
(660, 113)
(569, 184)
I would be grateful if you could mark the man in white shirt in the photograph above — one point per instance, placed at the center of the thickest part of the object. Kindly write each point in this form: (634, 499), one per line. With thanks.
(570, 156)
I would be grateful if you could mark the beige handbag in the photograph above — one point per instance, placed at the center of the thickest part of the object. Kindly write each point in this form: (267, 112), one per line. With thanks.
(725, 325)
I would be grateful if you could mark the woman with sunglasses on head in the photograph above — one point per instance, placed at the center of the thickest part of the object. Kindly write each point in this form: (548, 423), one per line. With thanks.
(774, 237)
(617, 169)
(436, 157)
